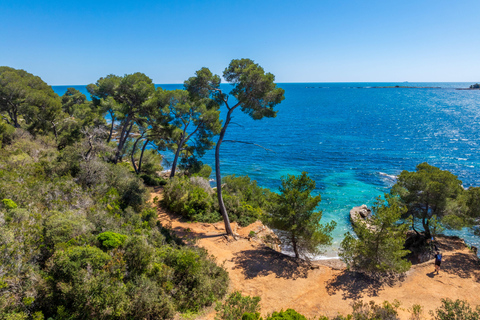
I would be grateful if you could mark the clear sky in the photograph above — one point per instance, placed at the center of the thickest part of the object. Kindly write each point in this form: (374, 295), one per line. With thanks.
(76, 42)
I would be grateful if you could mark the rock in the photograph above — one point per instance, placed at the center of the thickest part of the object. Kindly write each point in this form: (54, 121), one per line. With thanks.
(361, 215)
(474, 249)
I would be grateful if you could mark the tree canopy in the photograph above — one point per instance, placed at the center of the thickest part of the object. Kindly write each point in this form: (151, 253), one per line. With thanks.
(189, 121)
(426, 193)
(124, 99)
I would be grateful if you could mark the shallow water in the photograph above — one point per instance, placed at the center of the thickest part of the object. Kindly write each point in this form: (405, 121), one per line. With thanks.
(353, 139)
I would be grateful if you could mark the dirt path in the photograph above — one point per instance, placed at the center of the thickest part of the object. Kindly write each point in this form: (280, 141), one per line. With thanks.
(257, 270)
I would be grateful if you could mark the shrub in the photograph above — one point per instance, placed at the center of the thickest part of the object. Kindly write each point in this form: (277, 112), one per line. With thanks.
(153, 180)
(111, 240)
(289, 314)
(251, 316)
(198, 281)
(183, 196)
(455, 310)
(235, 306)
(9, 204)
(372, 311)
(416, 312)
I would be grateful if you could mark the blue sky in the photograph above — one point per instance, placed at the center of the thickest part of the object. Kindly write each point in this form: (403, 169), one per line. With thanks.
(76, 42)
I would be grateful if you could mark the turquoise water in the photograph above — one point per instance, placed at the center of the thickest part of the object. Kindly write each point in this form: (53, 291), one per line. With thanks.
(352, 139)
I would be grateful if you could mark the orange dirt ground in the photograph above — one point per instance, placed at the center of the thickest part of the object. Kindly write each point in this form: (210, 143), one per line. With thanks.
(330, 289)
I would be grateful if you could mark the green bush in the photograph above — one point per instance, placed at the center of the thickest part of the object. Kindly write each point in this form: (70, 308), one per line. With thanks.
(6, 133)
(235, 306)
(455, 310)
(9, 204)
(372, 311)
(153, 180)
(197, 279)
(111, 240)
(289, 314)
(190, 200)
(251, 316)
(194, 199)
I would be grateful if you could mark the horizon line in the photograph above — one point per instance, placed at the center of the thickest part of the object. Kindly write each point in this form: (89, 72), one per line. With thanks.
(300, 82)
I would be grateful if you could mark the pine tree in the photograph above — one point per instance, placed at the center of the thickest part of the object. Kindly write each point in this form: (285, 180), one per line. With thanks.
(380, 243)
(295, 215)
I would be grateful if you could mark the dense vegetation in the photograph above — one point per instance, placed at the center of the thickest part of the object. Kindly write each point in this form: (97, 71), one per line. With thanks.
(193, 198)
(79, 241)
(77, 238)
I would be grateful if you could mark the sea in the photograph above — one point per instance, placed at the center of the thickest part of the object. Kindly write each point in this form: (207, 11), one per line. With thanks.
(353, 139)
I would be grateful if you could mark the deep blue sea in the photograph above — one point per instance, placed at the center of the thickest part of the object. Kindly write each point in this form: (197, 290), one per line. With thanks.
(353, 139)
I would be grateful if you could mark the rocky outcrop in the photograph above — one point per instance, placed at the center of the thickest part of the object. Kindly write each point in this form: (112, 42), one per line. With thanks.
(362, 215)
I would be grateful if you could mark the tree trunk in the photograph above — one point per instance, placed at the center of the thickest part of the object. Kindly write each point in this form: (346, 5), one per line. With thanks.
(413, 224)
(295, 248)
(111, 127)
(218, 175)
(141, 155)
(177, 153)
(14, 115)
(426, 228)
(137, 171)
(123, 138)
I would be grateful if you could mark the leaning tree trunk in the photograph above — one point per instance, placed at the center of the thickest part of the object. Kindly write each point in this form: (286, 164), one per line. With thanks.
(141, 155)
(218, 176)
(111, 128)
(123, 138)
(177, 153)
(137, 170)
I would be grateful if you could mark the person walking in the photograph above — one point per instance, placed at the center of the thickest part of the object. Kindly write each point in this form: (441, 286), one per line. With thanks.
(438, 261)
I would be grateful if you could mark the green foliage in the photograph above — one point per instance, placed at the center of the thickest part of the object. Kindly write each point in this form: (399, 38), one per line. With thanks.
(380, 244)
(455, 310)
(416, 312)
(6, 133)
(9, 204)
(71, 205)
(111, 240)
(294, 213)
(183, 111)
(288, 314)
(151, 163)
(204, 171)
(153, 180)
(193, 198)
(372, 311)
(182, 196)
(26, 99)
(426, 192)
(235, 306)
(124, 98)
(251, 316)
(197, 279)
(475, 86)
